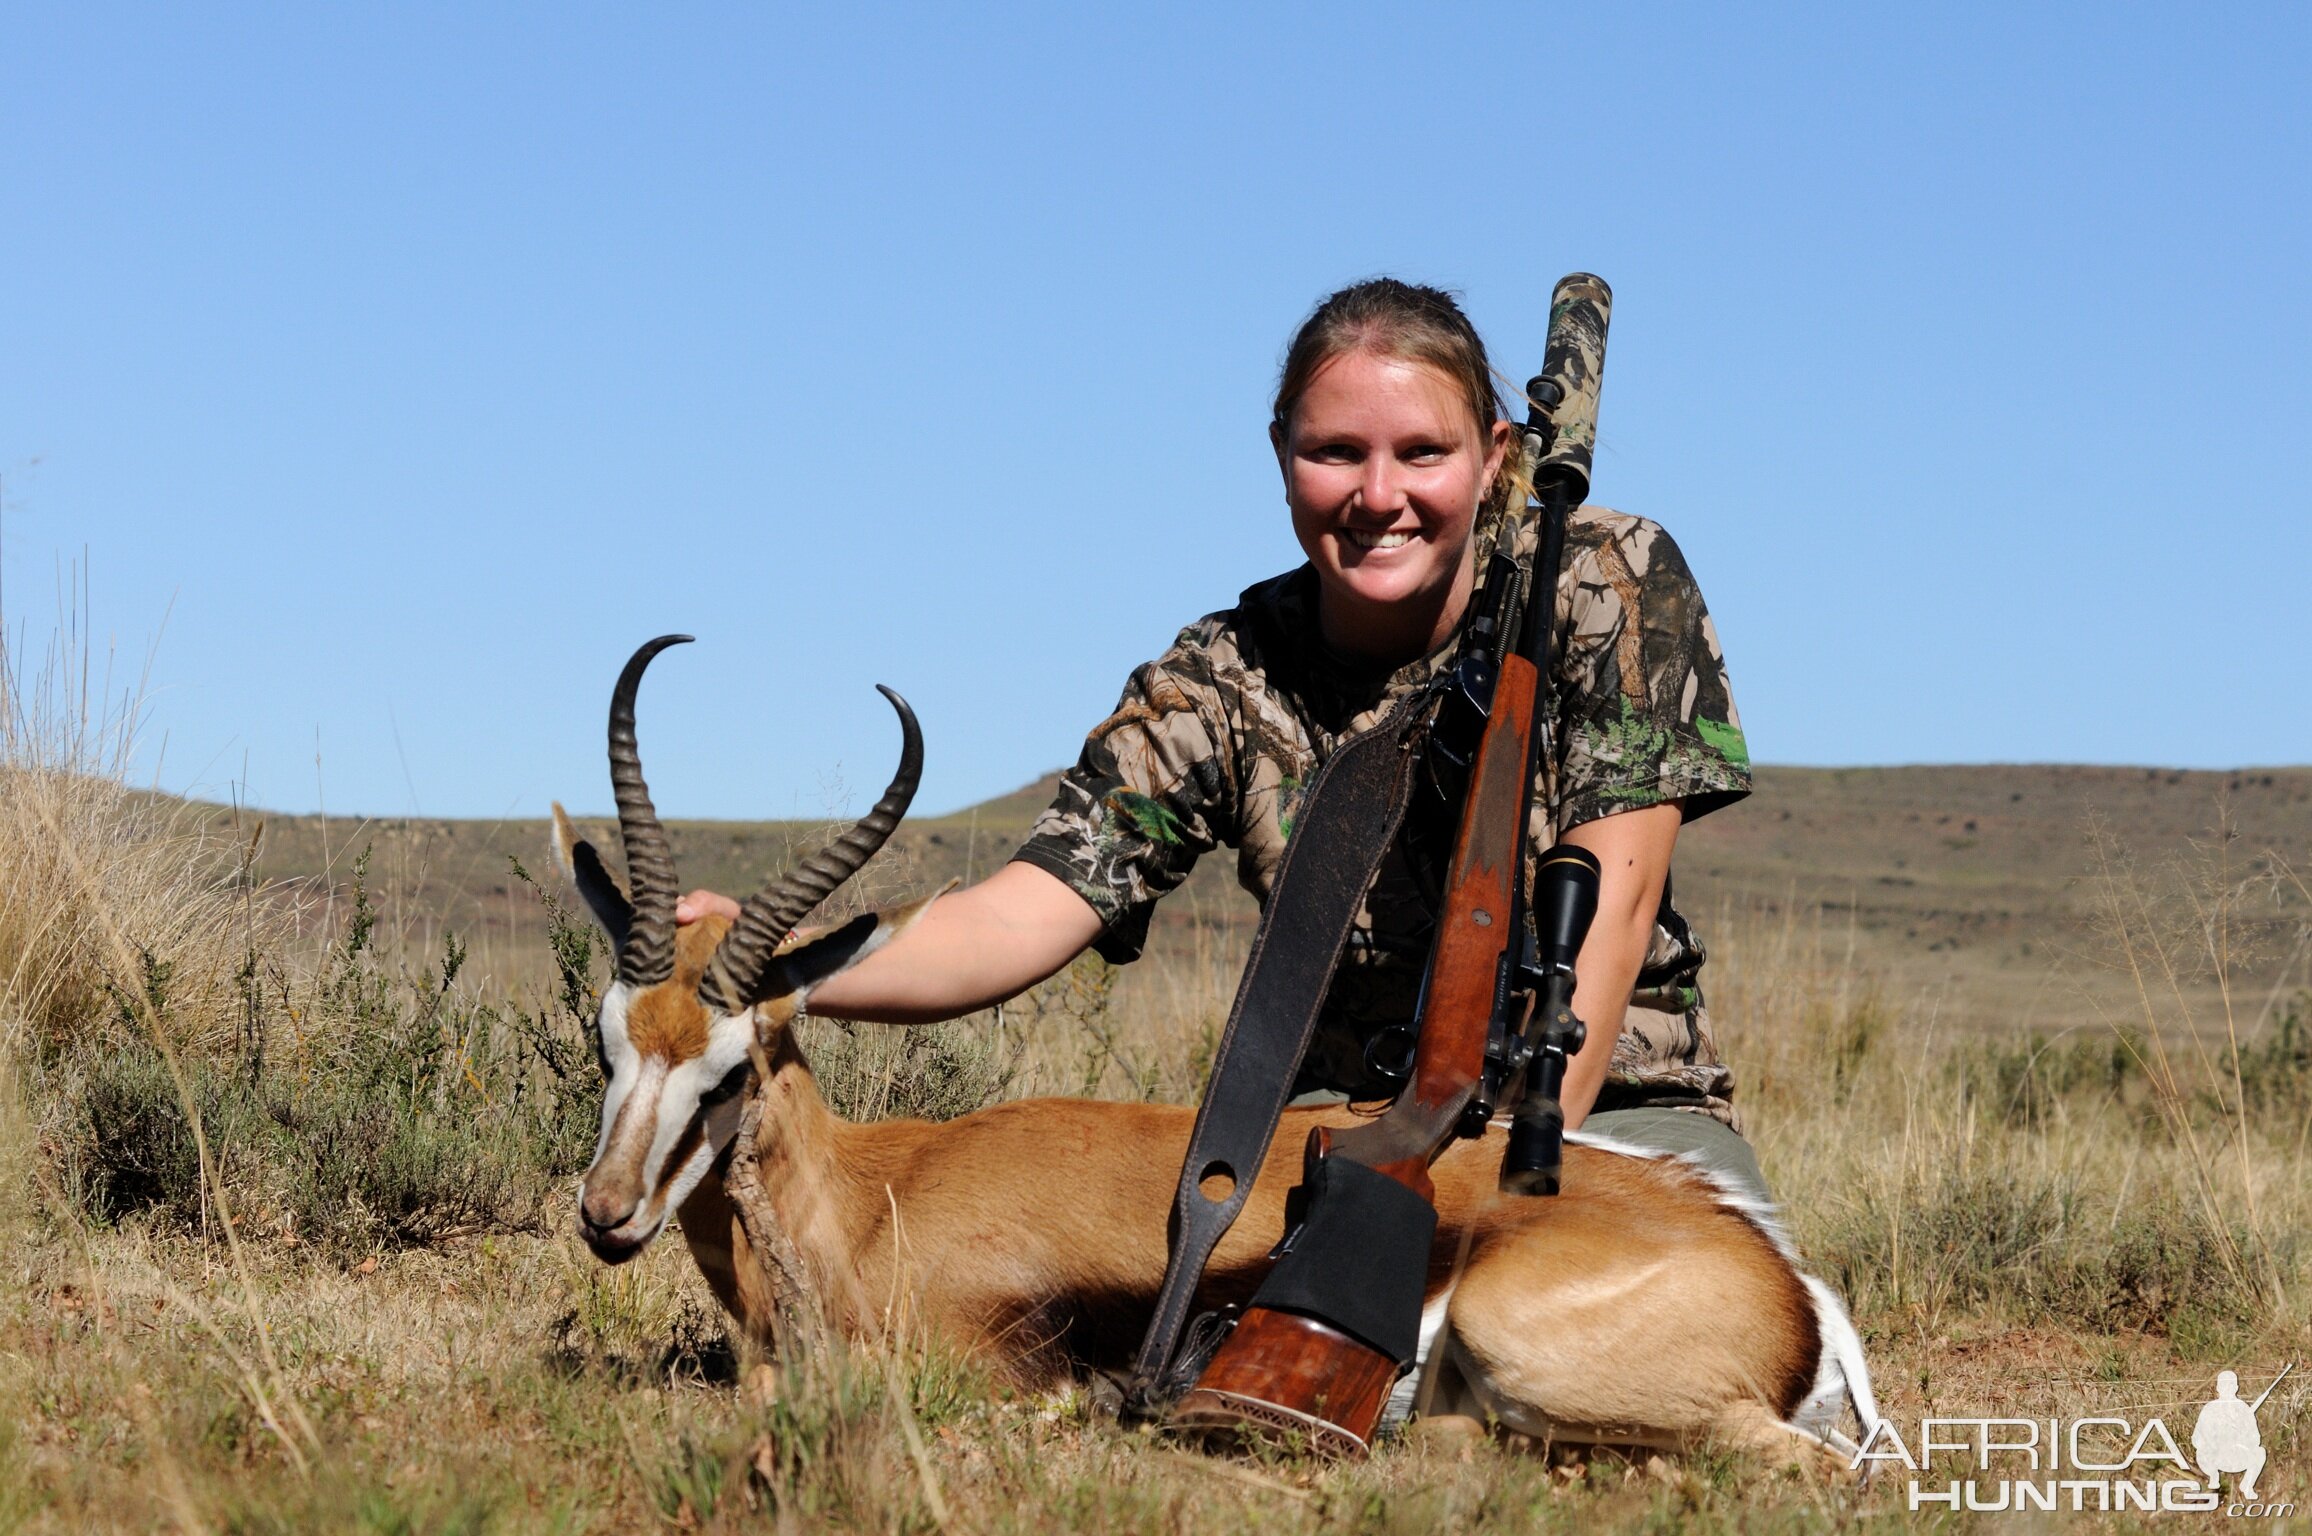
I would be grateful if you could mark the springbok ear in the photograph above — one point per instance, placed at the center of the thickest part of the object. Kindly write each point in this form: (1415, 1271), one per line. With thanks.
(585, 869)
(804, 965)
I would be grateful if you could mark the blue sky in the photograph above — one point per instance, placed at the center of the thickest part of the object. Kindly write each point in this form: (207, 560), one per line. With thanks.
(396, 370)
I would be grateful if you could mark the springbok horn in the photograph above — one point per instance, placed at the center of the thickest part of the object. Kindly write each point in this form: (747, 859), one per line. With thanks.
(743, 957)
(647, 956)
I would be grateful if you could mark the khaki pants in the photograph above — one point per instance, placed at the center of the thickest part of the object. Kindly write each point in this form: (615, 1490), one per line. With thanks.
(1686, 1133)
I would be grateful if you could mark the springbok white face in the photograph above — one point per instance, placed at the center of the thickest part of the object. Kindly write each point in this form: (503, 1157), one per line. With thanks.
(678, 1022)
(669, 1110)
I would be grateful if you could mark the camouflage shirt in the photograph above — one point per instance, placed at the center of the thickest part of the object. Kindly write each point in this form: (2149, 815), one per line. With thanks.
(1215, 742)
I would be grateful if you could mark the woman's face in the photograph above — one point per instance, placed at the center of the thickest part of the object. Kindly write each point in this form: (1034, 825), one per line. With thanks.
(1384, 467)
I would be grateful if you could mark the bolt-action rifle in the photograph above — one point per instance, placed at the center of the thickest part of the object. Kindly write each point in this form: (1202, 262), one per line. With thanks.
(1319, 1347)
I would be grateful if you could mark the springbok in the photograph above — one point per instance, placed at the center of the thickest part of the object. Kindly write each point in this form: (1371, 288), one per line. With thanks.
(1648, 1304)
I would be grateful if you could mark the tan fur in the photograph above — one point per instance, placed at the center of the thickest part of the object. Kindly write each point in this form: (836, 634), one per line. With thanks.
(1033, 1233)
(566, 839)
(668, 1020)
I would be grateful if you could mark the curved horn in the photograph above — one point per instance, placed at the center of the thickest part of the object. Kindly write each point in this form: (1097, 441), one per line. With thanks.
(769, 916)
(647, 956)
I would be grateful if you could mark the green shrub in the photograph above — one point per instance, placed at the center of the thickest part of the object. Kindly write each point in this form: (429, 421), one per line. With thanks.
(2276, 1069)
(923, 1072)
(2027, 1082)
(365, 1107)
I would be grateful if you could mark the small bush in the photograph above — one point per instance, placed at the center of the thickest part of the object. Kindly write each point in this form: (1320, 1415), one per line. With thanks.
(2276, 1070)
(922, 1072)
(366, 1108)
(2027, 1082)
(132, 1148)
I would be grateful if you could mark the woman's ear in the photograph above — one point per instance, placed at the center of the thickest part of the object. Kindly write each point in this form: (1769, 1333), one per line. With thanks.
(1503, 436)
(1276, 441)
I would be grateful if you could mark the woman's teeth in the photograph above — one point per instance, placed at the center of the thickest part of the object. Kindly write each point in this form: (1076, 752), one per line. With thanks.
(1364, 540)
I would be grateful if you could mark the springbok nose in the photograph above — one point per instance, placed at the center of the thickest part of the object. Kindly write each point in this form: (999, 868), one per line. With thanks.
(605, 1209)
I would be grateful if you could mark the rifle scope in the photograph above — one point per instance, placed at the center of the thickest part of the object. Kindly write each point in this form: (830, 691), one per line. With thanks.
(1565, 900)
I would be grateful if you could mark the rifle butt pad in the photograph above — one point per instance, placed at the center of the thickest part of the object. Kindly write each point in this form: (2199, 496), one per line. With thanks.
(1292, 1381)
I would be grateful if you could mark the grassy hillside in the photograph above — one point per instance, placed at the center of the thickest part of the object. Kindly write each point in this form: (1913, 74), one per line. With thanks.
(1972, 890)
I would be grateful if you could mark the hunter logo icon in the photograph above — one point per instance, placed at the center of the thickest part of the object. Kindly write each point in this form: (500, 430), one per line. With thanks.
(2226, 1440)
(2098, 1462)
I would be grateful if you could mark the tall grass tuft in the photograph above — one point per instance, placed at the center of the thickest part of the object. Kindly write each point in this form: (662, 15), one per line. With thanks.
(109, 896)
(366, 1104)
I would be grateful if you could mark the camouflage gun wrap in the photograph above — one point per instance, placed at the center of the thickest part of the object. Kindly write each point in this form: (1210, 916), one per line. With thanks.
(1561, 429)
(1564, 427)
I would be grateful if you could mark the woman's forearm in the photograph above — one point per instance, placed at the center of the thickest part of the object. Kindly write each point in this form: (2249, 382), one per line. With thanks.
(970, 949)
(1633, 852)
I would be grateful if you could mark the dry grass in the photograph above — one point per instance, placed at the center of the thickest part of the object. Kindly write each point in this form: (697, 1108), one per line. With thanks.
(108, 896)
(346, 1298)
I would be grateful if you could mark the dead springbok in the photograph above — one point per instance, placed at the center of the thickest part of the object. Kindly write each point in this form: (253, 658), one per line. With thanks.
(1647, 1304)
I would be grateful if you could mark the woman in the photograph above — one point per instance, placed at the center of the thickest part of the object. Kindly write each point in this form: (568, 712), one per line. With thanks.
(1397, 462)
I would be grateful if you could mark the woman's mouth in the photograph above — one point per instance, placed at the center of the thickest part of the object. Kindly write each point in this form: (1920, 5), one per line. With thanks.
(1364, 540)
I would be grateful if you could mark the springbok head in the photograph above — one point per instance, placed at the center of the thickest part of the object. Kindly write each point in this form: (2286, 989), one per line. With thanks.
(686, 1004)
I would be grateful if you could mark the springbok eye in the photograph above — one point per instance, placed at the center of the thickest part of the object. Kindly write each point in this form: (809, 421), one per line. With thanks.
(720, 1093)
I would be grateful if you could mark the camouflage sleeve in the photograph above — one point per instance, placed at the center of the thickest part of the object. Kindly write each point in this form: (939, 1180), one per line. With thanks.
(1647, 715)
(1151, 791)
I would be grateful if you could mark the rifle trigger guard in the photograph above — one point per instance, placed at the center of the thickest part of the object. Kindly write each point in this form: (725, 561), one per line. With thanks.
(1402, 1068)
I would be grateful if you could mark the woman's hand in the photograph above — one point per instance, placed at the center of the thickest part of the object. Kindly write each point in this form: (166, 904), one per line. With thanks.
(699, 904)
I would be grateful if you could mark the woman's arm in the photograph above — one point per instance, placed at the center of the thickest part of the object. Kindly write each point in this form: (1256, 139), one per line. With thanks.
(994, 940)
(972, 949)
(1633, 852)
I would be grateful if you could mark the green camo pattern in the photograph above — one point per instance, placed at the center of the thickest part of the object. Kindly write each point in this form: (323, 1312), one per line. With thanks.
(1215, 742)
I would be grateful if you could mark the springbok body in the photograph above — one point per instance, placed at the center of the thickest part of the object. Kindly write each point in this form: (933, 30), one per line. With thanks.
(1033, 1232)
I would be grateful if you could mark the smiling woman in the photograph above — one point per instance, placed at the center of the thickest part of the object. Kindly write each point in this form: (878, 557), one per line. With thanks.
(1385, 466)
(1397, 467)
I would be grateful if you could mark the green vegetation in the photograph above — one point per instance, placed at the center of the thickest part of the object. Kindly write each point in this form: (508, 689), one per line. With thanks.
(358, 1106)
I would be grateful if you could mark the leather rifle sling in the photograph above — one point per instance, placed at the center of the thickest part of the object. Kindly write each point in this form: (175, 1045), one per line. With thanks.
(1355, 805)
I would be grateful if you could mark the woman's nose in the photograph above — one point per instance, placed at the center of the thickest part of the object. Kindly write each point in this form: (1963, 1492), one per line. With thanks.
(1383, 487)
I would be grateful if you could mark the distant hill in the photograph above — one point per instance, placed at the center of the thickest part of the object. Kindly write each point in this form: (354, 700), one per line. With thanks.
(1966, 887)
